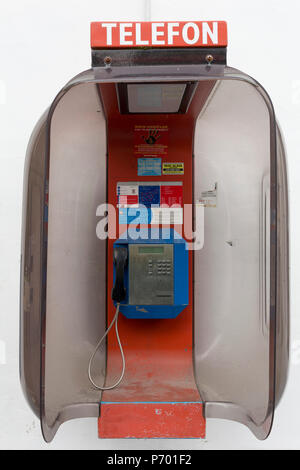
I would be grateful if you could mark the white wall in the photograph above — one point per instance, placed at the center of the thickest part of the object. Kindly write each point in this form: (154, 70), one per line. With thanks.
(42, 45)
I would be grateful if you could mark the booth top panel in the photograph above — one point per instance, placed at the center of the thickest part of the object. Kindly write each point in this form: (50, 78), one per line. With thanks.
(158, 34)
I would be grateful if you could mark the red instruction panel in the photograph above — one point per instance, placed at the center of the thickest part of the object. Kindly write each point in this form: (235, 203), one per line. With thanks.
(153, 399)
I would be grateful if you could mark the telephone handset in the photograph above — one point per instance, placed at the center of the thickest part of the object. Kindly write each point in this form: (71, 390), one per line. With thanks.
(118, 294)
(120, 260)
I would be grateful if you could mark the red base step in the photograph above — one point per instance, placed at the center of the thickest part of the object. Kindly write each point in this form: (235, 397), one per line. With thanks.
(151, 420)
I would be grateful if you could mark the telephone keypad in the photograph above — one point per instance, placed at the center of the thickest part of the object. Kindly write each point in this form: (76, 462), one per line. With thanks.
(161, 266)
(151, 274)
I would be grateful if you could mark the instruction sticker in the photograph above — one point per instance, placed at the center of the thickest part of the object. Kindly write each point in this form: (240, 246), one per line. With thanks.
(167, 216)
(137, 216)
(128, 201)
(171, 195)
(127, 189)
(128, 195)
(173, 168)
(146, 202)
(151, 140)
(149, 195)
(149, 167)
(209, 198)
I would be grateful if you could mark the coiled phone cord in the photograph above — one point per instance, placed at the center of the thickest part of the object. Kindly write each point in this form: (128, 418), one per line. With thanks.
(114, 321)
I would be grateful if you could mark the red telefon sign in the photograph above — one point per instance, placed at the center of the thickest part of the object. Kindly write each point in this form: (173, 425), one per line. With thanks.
(158, 34)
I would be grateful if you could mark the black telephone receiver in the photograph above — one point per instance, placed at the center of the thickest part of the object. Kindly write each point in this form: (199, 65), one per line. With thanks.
(120, 260)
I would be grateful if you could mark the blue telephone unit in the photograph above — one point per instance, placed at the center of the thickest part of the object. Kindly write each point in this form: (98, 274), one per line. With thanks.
(151, 275)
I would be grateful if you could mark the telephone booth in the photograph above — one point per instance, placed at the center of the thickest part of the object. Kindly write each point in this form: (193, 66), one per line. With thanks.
(154, 277)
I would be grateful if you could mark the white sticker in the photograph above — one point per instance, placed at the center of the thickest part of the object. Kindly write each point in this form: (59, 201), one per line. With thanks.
(127, 189)
(167, 215)
(209, 198)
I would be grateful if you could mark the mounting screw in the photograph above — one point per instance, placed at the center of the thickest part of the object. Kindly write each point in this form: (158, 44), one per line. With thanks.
(107, 61)
(209, 58)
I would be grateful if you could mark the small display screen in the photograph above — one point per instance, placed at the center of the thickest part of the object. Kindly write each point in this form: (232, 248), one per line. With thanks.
(151, 249)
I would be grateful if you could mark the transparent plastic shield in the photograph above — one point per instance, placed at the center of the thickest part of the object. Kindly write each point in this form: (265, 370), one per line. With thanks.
(232, 271)
(76, 260)
(237, 278)
(31, 266)
(282, 305)
(235, 273)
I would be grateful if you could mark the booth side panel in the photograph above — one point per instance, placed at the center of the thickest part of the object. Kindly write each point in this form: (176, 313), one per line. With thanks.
(232, 271)
(75, 314)
(283, 321)
(31, 266)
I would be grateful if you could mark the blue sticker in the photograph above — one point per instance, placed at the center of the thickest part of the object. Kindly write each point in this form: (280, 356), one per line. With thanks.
(135, 215)
(149, 195)
(149, 167)
(123, 216)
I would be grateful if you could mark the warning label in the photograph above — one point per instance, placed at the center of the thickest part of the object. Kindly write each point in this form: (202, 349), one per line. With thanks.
(151, 140)
(173, 168)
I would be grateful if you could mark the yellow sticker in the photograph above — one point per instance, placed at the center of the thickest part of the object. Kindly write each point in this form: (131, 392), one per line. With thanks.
(173, 168)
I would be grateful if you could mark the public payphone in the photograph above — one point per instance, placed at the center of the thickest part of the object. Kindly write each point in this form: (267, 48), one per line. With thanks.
(152, 274)
(155, 202)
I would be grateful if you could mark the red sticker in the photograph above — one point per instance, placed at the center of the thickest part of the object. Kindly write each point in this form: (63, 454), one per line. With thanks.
(170, 195)
(150, 141)
(125, 201)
